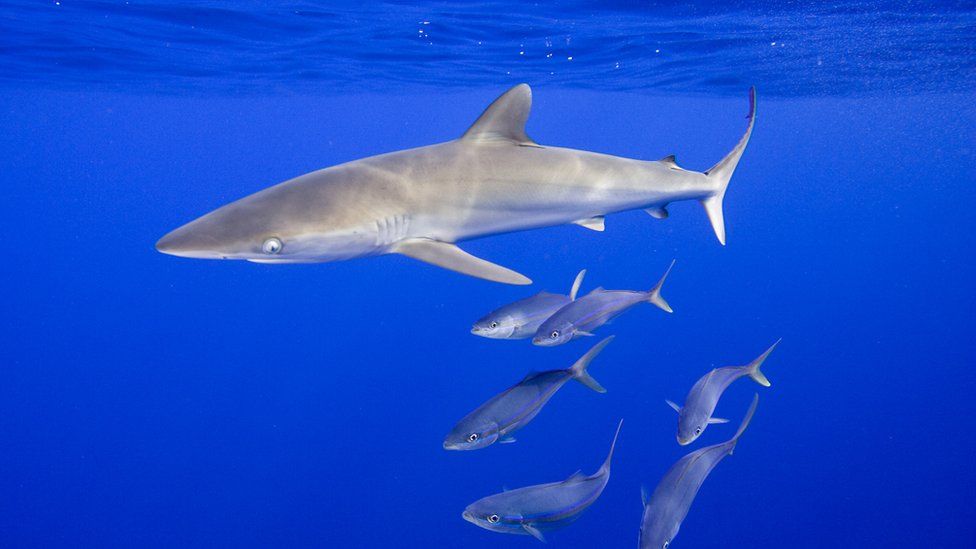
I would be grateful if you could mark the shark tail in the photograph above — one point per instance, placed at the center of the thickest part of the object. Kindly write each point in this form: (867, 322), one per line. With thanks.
(721, 173)
(654, 296)
(745, 423)
(753, 367)
(579, 369)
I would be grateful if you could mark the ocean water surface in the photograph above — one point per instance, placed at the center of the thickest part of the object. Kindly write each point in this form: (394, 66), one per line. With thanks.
(154, 401)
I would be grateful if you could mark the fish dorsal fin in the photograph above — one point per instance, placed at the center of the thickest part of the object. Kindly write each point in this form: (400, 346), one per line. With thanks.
(645, 495)
(576, 477)
(504, 120)
(670, 162)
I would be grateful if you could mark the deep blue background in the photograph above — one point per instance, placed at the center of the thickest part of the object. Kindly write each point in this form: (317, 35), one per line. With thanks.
(147, 400)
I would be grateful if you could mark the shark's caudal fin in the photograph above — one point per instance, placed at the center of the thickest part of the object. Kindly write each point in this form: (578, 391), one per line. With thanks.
(576, 285)
(449, 256)
(721, 173)
(579, 368)
(654, 296)
(745, 423)
(753, 367)
(605, 468)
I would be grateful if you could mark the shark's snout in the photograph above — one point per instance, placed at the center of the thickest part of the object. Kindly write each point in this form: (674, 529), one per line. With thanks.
(182, 242)
(466, 515)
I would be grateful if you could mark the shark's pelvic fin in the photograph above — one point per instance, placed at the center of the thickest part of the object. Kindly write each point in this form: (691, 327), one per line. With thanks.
(449, 256)
(504, 120)
(592, 223)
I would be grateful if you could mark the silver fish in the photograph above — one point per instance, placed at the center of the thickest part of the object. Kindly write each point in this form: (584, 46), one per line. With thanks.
(534, 510)
(514, 408)
(420, 202)
(593, 310)
(521, 319)
(668, 506)
(700, 403)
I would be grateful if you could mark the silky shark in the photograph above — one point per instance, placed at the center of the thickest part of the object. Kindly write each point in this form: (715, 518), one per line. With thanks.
(420, 202)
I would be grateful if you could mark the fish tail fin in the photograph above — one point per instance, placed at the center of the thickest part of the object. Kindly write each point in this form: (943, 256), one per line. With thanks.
(576, 285)
(753, 367)
(579, 369)
(744, 424)
(606, 463)
(721, 173)
(654, 296)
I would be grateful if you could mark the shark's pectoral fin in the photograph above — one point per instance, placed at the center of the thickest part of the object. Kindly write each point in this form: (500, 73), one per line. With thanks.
(533, 531)
(592, 223)
(449, 256)
(504, 120)
(657, 212)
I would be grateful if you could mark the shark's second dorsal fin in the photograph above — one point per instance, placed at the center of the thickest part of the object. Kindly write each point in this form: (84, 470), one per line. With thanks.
(671, 162)
(504, 120)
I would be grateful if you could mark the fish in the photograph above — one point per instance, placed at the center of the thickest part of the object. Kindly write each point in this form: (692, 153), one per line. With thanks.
(668, 506)
(537, 509)
(700, 403)
(512, 409)
(582, 316)
(521, 319)
(421, 202)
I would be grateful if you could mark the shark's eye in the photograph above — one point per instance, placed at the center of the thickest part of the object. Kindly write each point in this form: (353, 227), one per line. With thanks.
(554, 334)
(472, 437)
(493, 518)
(271, 246)
(666, 545)
(493, 325)
(697, 430)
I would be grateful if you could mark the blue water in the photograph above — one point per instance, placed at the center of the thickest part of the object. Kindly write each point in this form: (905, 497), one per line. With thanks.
(154, 401)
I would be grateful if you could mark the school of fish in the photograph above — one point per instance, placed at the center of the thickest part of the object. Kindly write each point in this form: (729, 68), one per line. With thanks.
(495, 179)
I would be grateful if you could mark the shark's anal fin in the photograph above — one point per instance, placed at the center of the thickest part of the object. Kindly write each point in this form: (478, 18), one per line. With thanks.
(592, 223)
(657, 212)
(504, 120)
(449, 256)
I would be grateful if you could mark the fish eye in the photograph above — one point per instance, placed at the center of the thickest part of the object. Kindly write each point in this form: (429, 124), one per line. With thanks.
(554, 334)
(665, 546)
(472, 437)
(493, 325)
(697, 430)
(271, 246)
(493, 518)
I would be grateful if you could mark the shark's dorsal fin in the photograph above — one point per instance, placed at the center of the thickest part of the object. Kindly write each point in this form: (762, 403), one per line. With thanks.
(504, 120)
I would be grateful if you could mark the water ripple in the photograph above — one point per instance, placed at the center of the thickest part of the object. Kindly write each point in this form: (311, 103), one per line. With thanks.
(789, 49)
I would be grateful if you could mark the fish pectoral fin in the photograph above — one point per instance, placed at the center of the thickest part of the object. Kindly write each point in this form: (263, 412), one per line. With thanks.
(657, 212)
(449, 256)
(584, 334)
(714, 420)
(533, 531)
(674, 406)
(592, 223)
(507, 439)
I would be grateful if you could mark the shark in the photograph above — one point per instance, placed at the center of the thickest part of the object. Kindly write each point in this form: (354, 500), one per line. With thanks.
(422, 202)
